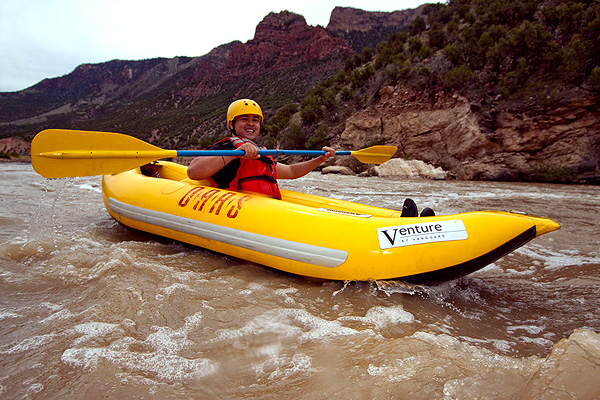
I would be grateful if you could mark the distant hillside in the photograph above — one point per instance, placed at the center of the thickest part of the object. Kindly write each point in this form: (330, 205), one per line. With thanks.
(181, 101)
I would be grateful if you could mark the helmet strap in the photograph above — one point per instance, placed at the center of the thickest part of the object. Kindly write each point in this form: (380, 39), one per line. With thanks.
(232, 127)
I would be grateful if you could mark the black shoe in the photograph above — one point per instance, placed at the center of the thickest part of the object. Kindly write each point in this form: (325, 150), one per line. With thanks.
(409, 209)
(427, 212)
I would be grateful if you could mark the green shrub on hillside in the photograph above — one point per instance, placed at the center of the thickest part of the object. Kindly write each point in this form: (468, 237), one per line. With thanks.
(594, 79)
(293, 138)
(548, 172)
(318, 139)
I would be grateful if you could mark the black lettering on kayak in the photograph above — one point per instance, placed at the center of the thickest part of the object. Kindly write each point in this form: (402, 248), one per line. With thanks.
(411, 230)
(392, 240)
(398, 236)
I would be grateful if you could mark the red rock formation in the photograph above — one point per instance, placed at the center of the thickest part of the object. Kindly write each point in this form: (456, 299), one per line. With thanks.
(281, 40)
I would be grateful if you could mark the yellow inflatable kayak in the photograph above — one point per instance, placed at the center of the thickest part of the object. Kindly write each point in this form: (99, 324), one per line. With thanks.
(315, 236)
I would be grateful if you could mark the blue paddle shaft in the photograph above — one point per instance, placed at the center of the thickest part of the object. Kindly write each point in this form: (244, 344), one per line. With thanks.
(210, 153)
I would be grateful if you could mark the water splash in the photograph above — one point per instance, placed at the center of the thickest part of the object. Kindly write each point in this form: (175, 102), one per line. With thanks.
(44, 220)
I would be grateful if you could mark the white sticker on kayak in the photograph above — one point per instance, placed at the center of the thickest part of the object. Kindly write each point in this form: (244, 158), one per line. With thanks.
(426, 232)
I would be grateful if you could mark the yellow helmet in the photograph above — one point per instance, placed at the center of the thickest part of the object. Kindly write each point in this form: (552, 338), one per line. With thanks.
(241, 107)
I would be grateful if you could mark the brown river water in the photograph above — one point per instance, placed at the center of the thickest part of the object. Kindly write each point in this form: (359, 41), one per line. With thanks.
(91, 309)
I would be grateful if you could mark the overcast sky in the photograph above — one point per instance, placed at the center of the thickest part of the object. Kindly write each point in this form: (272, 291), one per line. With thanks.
(49, 38)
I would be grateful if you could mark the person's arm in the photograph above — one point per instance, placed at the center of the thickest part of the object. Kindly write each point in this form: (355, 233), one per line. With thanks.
(205, 167)
(302, 168)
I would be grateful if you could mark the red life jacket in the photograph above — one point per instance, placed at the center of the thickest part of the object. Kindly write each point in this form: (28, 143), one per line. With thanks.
(257, 176)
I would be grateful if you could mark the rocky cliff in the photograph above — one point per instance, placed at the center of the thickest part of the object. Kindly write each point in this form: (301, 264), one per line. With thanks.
(366, 28)
(284, 39)
(560, 142)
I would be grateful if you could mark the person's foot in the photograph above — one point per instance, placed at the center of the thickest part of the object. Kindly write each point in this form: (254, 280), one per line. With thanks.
(409, 209)
(427, 212)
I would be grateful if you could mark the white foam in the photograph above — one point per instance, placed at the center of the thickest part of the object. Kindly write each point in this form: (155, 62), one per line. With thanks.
(402, 370)
(545, 343)
(281, 368)
(51, 306)
(319, 328)
(553, 260)
(166, 340)
(383, 317)
(91, 330)
(29, 344)
(251, 288)
(288, 323)
(170, 289)
(62, 314)
(531, 329)
(299, 364)
(285, 293)
(255, 286)
(35, 388)
(163, 360)
(263, 324)
(8, 314)
(165, 366)
(171, 341)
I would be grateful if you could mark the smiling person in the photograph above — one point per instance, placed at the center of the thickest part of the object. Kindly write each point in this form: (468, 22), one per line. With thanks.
(251, 172)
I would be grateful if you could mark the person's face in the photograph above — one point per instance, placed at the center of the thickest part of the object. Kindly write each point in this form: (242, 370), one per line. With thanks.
(247, 126)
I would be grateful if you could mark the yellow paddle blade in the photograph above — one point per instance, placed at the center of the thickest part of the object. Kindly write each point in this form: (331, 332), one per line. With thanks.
(62, 153)
(375, 154)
